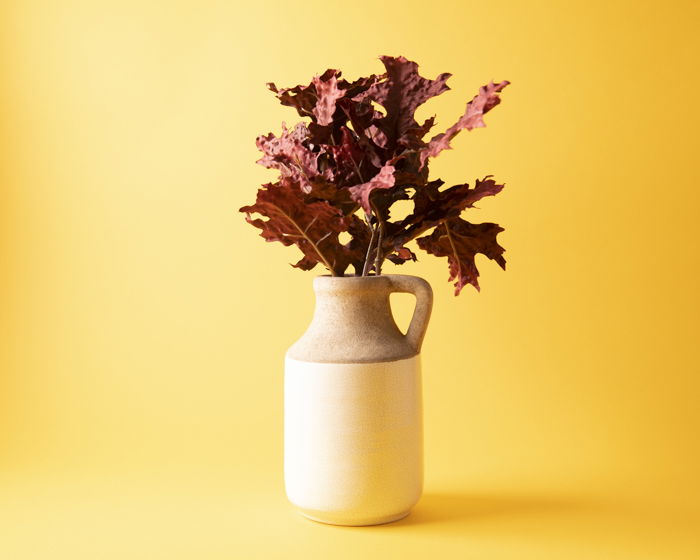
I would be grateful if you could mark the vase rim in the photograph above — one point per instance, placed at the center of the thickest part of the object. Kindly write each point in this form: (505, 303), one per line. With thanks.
(354, 277)
(326, 281)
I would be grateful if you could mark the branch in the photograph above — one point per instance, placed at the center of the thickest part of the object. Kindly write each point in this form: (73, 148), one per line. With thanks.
(380, 253)
(365, 268)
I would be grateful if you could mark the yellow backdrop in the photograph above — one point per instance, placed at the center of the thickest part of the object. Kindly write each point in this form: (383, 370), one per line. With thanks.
(144, 323)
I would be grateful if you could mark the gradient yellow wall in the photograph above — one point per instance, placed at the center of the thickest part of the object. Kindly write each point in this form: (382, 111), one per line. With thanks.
(143, 323)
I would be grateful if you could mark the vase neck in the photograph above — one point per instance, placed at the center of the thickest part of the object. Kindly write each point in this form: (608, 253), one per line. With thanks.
(352, 322)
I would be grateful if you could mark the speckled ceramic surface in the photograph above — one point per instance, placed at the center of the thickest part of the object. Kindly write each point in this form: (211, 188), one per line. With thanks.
(353, 323)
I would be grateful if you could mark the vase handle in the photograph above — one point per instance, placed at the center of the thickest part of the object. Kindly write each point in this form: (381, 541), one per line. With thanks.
(424, 305)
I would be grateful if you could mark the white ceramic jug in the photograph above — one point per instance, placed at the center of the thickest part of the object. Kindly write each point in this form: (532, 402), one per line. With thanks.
(353, 428)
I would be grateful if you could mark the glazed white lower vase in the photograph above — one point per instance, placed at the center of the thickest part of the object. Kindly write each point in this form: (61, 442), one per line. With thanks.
(353, 428)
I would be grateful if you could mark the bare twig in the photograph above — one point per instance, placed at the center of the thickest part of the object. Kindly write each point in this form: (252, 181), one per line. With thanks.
(357, 168)
(365, 268)
(380, 255)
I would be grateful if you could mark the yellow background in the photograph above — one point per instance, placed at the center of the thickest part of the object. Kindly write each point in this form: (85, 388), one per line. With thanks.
(144, 323)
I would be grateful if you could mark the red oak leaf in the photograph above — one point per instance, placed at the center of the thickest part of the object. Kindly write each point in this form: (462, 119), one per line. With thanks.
(418, 132)
(351, 161)
(401, 93)
(323, 189)
(362, 117)
(305, 98)
(382, 180)
(328, 93)
(482, 103)
(302, 98)
(432, 206)
(361, 114)
(460, 241)
(288, 154)
(402, 255)
(311, 226)
(364, 148)
(361, 84)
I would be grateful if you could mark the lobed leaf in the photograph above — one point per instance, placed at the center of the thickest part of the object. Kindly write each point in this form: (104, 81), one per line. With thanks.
(289, 154)
(382, 180)
(291, 220)
(460, 241)
(363, 148)
(401, 93)
(482, 103)
(431, 206)
(327, 93)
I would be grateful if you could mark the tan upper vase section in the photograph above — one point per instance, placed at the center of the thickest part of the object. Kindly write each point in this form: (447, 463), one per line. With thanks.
(353, 323)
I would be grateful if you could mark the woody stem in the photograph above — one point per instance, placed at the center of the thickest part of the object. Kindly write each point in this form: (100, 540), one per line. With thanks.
(365, 268)
(380, 256)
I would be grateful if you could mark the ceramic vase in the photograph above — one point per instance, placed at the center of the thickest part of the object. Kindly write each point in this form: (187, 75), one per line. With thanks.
(353, 429)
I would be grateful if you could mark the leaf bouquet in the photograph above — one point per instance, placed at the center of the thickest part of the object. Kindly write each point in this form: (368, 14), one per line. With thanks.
(361, 151)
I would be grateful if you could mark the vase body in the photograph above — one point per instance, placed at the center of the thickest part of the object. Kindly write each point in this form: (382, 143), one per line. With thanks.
(353, 429)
